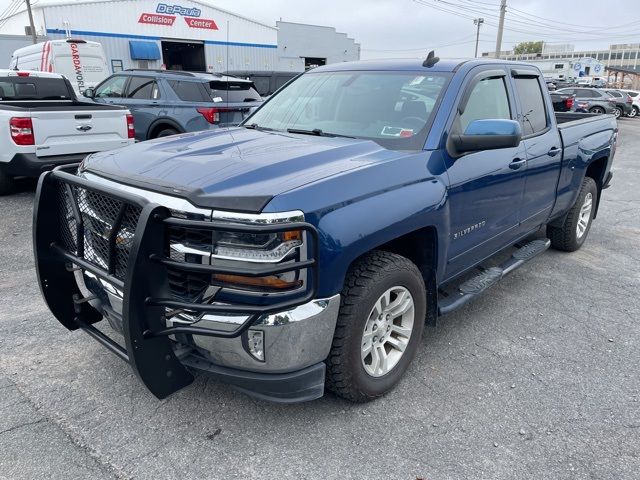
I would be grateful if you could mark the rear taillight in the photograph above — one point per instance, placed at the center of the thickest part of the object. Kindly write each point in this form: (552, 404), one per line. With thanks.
(569, 103)
(21, 131)
(210, 114)
(629, 100)
(131, 131)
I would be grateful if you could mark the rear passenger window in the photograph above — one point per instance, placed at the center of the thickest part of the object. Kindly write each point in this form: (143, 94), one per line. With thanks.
(189, 91)
(488, 100)
(142, 88)
(534, 113)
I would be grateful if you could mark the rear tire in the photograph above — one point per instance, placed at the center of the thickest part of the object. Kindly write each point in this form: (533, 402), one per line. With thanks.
(7, 184)
(598, 110)
(618, 112)
(166, 132)
(634, 112)
(577, 224)
(366, 328)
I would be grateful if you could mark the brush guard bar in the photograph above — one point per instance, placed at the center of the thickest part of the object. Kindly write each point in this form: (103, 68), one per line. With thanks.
(146, 294)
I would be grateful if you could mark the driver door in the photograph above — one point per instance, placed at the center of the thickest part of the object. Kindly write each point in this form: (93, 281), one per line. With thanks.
(485, 187)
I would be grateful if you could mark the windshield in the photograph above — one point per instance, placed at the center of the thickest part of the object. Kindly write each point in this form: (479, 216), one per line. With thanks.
(394, 109)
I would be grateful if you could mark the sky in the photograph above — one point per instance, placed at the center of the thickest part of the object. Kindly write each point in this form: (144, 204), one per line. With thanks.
(410, 28)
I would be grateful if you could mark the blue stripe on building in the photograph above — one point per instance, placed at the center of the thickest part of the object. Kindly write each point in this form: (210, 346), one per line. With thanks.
(58, 31)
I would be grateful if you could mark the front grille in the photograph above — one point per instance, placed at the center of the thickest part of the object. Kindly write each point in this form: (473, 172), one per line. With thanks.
(188, 286)
(99, 213)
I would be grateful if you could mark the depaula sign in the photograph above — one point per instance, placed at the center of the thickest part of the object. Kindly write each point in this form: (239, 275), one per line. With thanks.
(178, 10)
(166, 15)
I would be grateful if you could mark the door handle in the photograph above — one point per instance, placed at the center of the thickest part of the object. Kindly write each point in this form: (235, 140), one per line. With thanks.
(554, 151)
(516, 163)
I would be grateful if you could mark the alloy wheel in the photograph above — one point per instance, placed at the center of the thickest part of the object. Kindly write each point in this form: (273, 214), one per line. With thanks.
(387, 331)
(585, 215)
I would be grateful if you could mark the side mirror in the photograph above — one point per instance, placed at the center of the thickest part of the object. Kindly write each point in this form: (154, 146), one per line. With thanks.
(89, 93)
(487, 135)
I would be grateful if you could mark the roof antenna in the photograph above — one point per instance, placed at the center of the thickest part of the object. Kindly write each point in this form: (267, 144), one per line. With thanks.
(431, 60)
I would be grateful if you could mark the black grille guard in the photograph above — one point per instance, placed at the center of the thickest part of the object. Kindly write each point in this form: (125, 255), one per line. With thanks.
(148, 348)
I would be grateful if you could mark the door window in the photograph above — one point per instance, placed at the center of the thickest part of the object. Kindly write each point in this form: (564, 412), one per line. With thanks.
(488, 100)
(534, 113)
(142, 88)
(112, 88)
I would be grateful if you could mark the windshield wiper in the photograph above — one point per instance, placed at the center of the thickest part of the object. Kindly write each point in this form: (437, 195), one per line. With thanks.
(317, 132)
(255, 126)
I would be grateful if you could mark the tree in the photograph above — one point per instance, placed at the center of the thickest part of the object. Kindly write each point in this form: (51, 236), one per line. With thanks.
(528, 47)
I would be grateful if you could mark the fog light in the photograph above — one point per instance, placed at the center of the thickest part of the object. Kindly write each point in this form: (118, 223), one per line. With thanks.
(255, 340)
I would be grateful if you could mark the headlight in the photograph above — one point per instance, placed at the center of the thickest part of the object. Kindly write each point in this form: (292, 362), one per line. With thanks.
(251, 247)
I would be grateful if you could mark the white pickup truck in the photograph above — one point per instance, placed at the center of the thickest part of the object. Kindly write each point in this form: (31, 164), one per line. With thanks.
(43, 125)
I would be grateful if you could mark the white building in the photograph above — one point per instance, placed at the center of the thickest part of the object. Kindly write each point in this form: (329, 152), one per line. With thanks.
(191, 35)
(564, 69)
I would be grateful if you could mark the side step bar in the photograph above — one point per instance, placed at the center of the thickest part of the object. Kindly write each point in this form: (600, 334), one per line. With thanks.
(473, 287)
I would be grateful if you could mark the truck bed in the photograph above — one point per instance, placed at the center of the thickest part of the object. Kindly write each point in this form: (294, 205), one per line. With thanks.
(58, 105)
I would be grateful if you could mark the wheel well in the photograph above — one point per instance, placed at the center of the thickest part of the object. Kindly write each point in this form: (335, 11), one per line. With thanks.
(421, 247)
(596, 171)
(157, 128)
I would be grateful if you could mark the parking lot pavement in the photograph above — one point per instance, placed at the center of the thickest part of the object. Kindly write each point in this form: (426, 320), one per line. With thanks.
(536, 379)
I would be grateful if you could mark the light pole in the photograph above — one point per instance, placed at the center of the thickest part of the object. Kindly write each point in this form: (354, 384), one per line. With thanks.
(503, 9)
(478, 22)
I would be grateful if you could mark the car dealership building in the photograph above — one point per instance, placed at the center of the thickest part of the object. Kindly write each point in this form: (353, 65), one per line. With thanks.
(190, 35)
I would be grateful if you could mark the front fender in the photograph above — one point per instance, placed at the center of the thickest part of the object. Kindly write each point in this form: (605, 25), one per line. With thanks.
(357, 228)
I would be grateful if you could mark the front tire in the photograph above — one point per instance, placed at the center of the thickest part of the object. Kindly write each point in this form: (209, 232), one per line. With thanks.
(382, 314)
(577, 224)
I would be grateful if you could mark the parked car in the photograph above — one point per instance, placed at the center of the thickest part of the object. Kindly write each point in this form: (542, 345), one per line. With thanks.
(266, 83)
(635, 97)
(44, 125)
(562, 102)
(166, 102)
(82, 62)
(309, 246)
(624, 103)
(591, 100)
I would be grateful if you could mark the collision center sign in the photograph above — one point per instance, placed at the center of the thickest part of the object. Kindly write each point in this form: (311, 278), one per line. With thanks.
(166, 15)
(157, 19)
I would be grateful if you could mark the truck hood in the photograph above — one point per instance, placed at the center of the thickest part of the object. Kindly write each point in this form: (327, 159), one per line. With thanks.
(233, 169)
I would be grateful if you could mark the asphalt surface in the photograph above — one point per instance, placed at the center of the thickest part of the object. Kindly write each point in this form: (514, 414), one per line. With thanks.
(539, 378)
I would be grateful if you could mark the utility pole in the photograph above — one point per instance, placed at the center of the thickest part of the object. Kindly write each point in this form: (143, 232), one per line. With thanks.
(34, 35)
(503, 9)
(478, 22)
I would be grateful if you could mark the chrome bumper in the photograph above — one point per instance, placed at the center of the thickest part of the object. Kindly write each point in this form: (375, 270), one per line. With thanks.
(293, 339)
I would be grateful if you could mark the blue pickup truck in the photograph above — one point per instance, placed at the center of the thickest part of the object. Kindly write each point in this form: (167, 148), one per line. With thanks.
(307, 248)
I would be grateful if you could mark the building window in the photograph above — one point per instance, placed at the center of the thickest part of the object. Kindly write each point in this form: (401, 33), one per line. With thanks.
(116, 66)
(627, 55)
(558, 66)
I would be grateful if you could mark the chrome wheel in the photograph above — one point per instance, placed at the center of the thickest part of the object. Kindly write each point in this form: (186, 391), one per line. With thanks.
(617, 112)
(633, 112)
(387, 331)
(585, 215)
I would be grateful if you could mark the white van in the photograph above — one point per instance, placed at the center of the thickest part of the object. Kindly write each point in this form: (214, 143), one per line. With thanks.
(82, 62)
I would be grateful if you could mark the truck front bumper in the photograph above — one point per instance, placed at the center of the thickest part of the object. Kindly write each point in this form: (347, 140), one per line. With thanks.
(81, 288)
